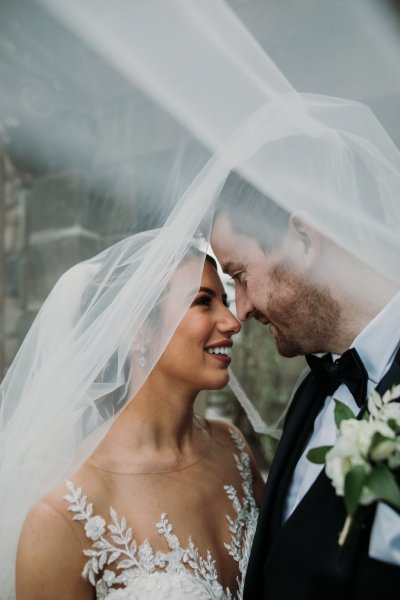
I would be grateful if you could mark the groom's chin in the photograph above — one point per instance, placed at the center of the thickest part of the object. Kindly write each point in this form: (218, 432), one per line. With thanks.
(286, 348)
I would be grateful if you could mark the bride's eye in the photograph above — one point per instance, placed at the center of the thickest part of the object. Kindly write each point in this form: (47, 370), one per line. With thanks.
(202, 301)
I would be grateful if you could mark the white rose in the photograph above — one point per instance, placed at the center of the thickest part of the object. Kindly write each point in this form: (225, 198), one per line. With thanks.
(365, 434)
(383, 450)
(335, 469)
(350, 449)
(95, 527)
(390, 412)
(349, 428)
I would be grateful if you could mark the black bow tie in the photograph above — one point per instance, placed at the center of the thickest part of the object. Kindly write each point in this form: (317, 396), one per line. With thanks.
(348, 369)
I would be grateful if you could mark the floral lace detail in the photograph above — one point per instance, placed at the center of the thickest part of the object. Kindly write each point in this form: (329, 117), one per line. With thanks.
(174, 575)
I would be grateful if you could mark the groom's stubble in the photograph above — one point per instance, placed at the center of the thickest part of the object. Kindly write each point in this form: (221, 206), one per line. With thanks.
(304, 317)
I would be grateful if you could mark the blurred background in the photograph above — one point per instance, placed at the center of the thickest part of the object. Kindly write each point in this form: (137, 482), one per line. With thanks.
(85, 156)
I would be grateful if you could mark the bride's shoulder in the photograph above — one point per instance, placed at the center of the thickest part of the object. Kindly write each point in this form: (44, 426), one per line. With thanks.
(49, 519)
(51, 543)
(50, 551)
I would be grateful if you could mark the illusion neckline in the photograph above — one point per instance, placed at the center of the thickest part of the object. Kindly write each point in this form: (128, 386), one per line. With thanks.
(165, 472)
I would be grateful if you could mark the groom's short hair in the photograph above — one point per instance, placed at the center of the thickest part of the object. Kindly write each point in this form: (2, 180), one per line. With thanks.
(251, 212)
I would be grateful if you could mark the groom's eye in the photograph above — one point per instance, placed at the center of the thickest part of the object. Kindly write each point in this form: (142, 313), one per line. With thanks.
(238, 276)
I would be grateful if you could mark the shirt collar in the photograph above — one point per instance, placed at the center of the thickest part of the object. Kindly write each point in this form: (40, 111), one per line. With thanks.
(379, 340)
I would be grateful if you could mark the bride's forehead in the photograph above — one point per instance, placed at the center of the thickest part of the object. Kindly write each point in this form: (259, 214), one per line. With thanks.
(211, 277)
(189, 271)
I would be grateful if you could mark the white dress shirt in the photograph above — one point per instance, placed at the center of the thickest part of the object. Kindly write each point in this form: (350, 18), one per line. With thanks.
(377, 345)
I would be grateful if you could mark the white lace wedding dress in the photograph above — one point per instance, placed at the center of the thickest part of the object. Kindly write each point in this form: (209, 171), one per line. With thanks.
(180, 574)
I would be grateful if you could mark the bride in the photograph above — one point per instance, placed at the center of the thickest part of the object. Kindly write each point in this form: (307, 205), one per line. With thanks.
(166, 504)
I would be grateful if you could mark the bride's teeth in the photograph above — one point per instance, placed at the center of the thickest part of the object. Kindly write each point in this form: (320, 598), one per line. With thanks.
(223, 350)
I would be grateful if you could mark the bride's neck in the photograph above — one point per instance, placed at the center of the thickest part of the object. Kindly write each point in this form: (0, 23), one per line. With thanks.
(157, 425)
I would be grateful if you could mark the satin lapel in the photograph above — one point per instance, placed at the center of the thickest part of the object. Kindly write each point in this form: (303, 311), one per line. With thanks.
(299, 430)
(391, 378)
(297, 427)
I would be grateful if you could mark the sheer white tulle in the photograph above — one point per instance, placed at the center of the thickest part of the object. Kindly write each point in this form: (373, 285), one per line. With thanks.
(199, 72)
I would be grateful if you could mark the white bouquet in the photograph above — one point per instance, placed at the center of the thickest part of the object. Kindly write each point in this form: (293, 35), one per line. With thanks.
(367, 451)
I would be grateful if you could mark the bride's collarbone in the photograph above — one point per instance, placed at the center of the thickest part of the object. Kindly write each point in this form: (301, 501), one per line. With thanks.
(194, 500)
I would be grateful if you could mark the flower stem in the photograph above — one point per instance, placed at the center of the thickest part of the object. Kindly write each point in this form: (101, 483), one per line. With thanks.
(345, 531)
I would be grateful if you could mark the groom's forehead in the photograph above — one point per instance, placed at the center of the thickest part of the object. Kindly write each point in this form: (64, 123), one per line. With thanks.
(224, 235)
(225, 242)
(233, 249)
(228, 244)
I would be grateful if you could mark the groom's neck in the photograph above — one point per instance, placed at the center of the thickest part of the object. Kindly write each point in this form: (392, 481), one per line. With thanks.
(358, 310)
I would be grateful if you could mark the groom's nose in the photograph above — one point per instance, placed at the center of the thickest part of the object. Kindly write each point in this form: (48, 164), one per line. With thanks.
(244, 308)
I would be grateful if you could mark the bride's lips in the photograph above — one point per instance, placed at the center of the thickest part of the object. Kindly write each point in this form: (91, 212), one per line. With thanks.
(222, 358)
(226, 360)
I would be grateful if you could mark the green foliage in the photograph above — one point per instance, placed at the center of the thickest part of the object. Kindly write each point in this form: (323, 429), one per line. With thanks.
(342, 413)
(353, 486)
(318, 455)
(382, 483)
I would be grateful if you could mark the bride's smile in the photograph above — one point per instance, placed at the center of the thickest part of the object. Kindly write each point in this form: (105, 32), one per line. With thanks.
(199, 352)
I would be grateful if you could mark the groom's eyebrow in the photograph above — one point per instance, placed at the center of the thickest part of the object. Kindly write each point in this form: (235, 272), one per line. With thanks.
(228, 267)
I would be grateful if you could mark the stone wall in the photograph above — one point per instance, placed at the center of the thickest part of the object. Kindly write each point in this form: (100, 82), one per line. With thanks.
(12, 253)
(47, 224)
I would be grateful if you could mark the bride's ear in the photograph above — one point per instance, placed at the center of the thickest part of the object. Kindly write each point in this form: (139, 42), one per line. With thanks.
(305, 243)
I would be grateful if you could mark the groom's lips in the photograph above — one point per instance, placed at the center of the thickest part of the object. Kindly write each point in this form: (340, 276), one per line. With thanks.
(261, 319)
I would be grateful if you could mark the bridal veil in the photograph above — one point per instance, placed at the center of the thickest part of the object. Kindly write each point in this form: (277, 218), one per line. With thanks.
(192, 68)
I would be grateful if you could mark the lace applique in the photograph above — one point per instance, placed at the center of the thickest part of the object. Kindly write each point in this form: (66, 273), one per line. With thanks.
(177, 574)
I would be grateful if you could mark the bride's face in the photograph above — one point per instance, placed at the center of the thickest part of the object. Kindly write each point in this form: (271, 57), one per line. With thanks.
(198, 353)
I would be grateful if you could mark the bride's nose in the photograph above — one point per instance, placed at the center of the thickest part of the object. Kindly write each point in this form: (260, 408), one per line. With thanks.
(228, 323)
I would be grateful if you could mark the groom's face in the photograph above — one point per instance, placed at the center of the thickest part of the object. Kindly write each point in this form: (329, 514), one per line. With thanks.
(300, 315)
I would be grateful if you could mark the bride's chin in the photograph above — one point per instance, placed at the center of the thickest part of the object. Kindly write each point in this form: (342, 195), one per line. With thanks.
(223, 383)
(215, 383)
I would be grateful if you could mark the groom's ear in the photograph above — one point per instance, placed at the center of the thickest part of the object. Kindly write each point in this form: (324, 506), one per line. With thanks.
(305, 242)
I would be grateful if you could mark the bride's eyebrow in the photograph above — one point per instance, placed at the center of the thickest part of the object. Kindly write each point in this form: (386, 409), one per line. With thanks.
(212, 293)
(208, 291)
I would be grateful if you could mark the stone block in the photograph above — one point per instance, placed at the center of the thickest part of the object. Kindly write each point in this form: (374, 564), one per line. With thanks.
(55, 201)
(48, 260)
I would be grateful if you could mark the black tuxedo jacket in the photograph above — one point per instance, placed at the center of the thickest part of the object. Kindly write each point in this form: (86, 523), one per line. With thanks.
(301, 559)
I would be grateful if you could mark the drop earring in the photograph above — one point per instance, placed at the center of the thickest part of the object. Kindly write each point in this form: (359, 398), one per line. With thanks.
(142, 360)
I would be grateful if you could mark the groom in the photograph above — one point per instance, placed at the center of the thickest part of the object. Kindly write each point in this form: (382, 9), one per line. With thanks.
(315, 298)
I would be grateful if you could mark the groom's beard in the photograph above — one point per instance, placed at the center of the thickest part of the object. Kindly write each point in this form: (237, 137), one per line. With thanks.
(303, 316)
